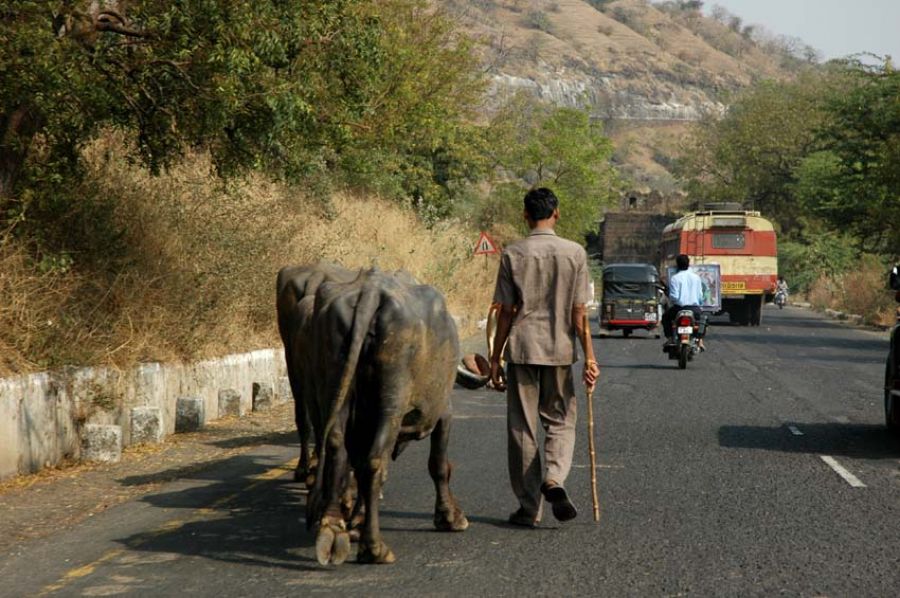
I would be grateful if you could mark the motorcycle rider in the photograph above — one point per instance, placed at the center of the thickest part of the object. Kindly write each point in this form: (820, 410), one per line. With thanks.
(685, 292)
(782, 287)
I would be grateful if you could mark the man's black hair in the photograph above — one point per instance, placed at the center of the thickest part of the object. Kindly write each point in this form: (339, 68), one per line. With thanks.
(683, 262)
(540, 203)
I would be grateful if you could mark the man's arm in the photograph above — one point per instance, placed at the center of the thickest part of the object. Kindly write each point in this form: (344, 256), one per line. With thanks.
(505, 296)
(583, 330)
(504, 324)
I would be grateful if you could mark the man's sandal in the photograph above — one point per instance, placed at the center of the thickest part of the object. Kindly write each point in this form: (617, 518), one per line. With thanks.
(556, 495)
(522, 519)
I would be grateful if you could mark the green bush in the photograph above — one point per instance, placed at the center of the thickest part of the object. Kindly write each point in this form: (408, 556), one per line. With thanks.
(826, 254)
(538, 19)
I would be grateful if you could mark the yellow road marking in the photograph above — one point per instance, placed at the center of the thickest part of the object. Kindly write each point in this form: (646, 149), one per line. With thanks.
(79, 572)
(168, 527)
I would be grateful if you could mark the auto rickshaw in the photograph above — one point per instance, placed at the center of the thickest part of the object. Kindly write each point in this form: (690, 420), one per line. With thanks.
(631, 298)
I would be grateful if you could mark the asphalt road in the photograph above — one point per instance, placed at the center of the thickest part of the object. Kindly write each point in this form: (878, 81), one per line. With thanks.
(717, 480)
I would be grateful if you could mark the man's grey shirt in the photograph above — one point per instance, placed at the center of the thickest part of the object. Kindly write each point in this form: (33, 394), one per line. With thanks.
(543, 276)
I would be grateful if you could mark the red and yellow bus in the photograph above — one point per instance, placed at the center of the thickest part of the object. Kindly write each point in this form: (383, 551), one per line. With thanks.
(743, 244)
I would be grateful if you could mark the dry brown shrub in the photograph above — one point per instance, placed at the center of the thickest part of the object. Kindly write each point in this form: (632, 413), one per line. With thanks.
(824, 293)
(28, 309)
(193, 273)
(865, 292)
(861, 290)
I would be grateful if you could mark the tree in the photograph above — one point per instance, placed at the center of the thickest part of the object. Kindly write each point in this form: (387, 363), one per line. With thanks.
(562, 148)
(856, 181)
(286, 88)
(751, 153)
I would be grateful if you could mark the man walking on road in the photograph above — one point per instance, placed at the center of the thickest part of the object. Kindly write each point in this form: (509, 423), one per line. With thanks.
(542, 287)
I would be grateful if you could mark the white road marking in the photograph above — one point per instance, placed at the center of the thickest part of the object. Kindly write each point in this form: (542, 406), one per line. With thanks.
(795, 431)
(842, 471)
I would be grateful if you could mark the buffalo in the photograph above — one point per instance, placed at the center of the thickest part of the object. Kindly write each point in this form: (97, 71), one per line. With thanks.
(376, 360)
(293, 284)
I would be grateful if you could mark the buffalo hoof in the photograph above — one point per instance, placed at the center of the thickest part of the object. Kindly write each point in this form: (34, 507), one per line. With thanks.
(378, 554)
(356, 526)
(306, 476)
(332, 542)
(450, 520)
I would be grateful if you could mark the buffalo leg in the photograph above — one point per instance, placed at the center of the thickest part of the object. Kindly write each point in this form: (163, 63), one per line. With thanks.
(332, 539)
(370, 476)
(307, 463)
(448, 516)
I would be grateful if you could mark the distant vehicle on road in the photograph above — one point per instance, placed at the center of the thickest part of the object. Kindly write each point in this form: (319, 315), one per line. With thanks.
(630, 300)
(780, 299)
(742, 242)
(688, 331)
(892, 367)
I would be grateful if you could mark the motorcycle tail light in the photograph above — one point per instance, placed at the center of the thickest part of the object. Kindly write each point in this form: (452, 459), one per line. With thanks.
(685, 322)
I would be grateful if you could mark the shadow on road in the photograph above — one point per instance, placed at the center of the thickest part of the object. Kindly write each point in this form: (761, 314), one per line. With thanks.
(260, 528)
(494, 521)
(861, 441)
(243, 517)
(275, 438)
(205, 470)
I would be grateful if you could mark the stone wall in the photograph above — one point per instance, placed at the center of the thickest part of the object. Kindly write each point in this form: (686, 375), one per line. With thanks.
(45, 417)
(631, 237)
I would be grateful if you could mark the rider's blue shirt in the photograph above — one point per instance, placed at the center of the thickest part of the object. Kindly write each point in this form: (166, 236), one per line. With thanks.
(686, 289)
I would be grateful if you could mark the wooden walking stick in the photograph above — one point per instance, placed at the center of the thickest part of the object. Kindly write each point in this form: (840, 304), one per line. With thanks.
(588, 357)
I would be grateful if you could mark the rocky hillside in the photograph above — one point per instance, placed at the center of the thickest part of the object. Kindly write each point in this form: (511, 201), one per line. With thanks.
(647, 68)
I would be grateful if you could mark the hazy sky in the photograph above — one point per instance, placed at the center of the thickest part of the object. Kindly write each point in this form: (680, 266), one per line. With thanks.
(835, 27)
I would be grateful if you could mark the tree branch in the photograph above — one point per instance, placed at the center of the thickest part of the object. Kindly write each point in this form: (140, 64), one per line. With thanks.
(118, 28)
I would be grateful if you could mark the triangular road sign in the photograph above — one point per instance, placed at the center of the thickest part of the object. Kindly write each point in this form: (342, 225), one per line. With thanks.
(485, 245)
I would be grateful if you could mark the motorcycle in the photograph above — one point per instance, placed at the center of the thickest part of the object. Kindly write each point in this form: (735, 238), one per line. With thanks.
(688, 332)
(780, 299)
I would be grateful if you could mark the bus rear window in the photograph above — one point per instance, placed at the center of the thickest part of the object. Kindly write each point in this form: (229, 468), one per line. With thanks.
(728, 240)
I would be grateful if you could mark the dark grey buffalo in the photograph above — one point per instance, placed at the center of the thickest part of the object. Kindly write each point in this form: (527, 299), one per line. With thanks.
(382, 353)
(292, 285)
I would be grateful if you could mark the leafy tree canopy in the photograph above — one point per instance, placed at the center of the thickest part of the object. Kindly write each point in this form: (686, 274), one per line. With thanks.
(855, 181)
(561, 148)
(286, 88)
(821, 150)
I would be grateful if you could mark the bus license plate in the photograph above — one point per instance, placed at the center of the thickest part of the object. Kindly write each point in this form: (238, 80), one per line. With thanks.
(650, 317)
(734, 286)
(685, 330)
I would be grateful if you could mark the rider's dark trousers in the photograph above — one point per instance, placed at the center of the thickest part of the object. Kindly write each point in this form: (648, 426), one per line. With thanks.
(670, 314)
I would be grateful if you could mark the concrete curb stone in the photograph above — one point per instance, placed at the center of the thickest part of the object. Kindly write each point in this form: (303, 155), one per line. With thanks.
(263, 396)
(190, 414)
(101, 442)
(283, 392)
(146, 425)
(229, 402)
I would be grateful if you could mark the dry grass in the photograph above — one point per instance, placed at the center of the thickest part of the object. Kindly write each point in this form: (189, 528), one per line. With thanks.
(861, 291)
(192, 271)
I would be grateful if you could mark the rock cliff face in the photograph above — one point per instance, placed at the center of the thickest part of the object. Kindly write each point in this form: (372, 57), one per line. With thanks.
(606, 101)
(648, 69)
(625, 59)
